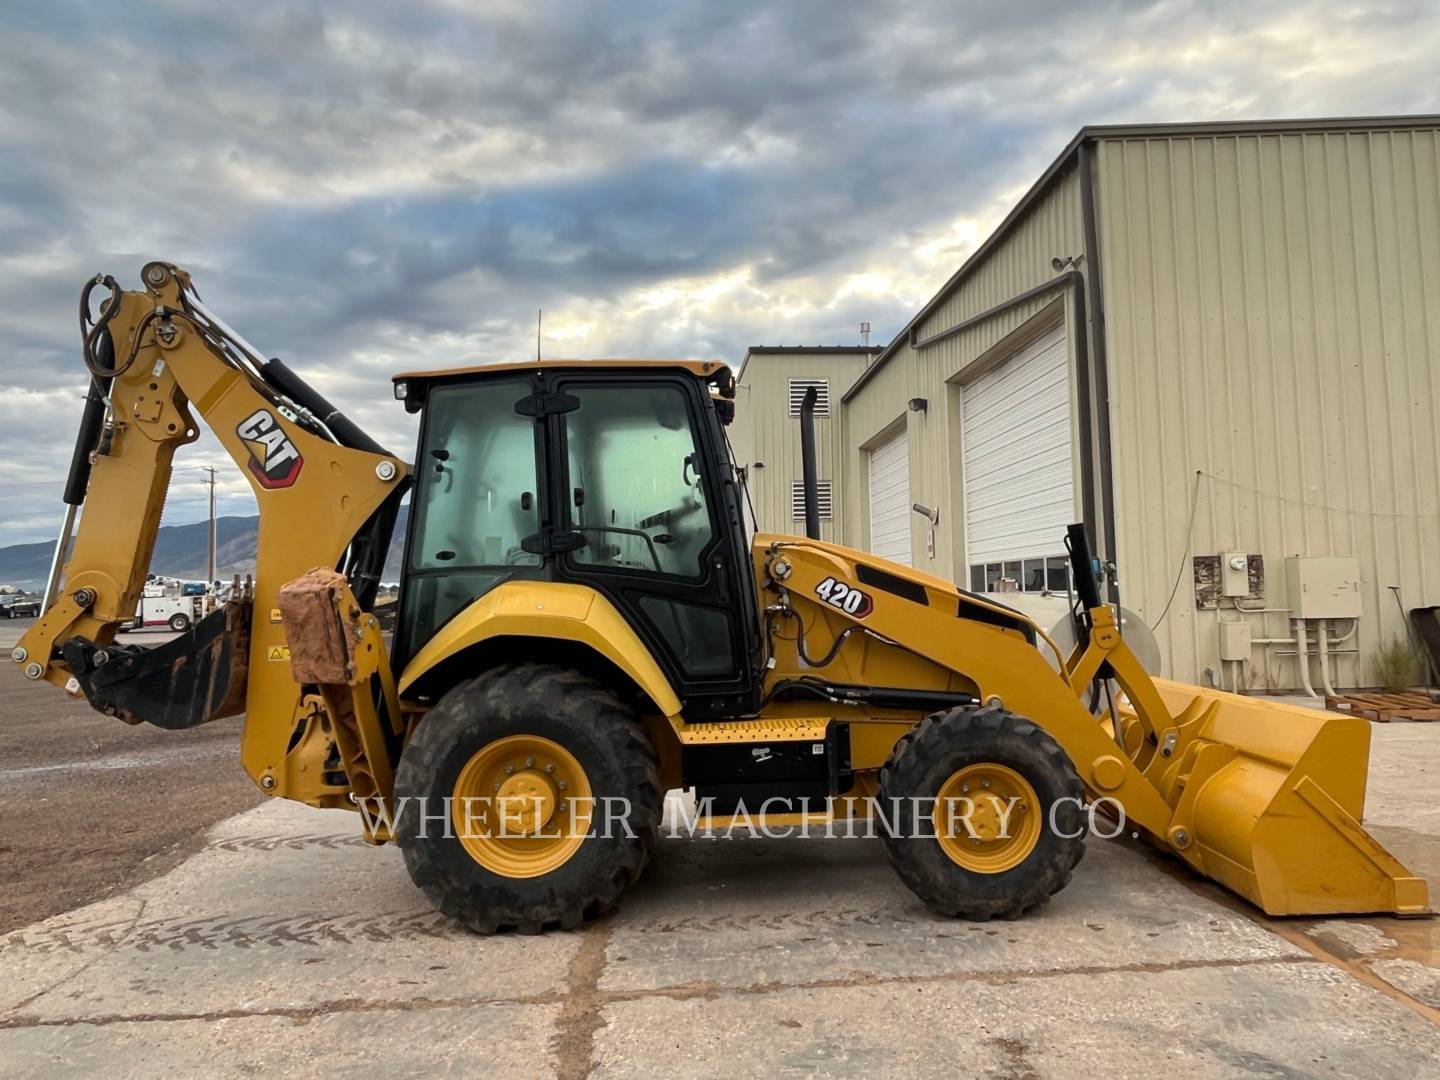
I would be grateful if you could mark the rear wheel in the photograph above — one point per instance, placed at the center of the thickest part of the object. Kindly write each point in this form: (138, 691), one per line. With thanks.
(179, 622)
(528, 798)
(987, 812)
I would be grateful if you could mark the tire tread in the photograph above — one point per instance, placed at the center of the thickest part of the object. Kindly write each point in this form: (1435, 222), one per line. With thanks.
(485, 903)
(963, 734)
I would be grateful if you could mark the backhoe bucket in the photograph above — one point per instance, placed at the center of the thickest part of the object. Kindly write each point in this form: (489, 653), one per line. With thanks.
(1268, 800)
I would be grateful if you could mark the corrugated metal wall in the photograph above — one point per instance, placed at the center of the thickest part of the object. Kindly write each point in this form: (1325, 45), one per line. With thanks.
(764, 431)
(1051, 227)
(1273, 313)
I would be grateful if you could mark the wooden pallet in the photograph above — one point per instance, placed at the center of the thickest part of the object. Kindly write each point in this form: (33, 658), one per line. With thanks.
(1383, 708)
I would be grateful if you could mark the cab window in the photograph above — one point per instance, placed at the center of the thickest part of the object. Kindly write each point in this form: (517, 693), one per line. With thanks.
(475, 503)
(636, 495)
(476, 499)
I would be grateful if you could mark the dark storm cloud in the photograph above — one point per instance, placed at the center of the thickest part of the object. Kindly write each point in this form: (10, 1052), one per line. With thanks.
(372, 186)
(651, 221)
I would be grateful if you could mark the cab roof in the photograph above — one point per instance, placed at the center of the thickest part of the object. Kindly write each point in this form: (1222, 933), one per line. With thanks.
(704, 368)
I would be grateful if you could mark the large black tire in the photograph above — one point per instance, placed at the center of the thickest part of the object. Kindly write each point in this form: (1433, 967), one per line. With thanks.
(921, 763)
(590, 722)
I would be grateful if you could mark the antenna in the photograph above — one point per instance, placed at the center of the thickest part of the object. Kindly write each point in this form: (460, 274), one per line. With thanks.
(539, 312)
(864, 333)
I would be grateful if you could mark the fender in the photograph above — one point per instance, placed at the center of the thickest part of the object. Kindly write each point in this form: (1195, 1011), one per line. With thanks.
(548, 610)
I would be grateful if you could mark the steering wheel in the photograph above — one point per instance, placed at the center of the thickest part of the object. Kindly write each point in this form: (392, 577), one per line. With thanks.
(672, 514)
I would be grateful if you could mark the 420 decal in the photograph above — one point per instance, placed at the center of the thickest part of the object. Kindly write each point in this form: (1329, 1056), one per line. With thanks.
(845, 597)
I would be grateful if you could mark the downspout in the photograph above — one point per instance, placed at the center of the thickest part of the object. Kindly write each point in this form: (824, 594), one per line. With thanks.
(1106, 479)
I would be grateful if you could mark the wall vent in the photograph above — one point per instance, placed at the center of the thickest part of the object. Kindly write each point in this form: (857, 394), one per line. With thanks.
(822, 395)
(822, 497)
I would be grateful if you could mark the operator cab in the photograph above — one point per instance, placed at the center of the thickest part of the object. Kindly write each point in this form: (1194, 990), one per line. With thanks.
(610, 474)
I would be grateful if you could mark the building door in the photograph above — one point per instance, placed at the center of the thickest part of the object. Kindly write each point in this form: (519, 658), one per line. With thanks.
(645, 519)
(890, 499)
(1019, 469)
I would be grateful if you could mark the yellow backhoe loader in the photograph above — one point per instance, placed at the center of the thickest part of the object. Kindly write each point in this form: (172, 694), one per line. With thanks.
(585, 622)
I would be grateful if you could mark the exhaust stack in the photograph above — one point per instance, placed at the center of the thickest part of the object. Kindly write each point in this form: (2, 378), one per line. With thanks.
(810, 484)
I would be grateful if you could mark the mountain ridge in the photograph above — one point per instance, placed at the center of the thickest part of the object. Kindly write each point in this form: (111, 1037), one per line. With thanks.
(180, 552)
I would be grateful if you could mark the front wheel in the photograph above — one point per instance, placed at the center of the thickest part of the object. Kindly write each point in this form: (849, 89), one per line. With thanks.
(986, 813)
(528, 798)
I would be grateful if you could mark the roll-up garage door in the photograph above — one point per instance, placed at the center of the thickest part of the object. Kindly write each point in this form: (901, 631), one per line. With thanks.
(890, 499)
(1019, 474)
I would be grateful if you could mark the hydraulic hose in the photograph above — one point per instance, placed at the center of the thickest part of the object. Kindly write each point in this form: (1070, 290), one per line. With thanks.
(98, 351)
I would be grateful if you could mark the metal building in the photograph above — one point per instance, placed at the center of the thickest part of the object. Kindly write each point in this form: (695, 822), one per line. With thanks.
(771, 383)
(1218, 345)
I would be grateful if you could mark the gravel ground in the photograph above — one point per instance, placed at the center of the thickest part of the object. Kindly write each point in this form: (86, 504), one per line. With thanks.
(92, 805)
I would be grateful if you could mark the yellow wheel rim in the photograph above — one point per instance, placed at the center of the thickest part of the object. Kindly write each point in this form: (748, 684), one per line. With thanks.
(522, 806)
(987, 818)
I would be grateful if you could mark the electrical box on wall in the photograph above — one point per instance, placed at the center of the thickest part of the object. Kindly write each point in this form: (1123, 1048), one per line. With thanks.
(1323, 587)
(1234, 641)
(1226, 579)
(1234, 573)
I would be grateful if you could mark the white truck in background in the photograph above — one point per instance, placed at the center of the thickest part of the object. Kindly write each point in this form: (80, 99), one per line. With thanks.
(160, 607)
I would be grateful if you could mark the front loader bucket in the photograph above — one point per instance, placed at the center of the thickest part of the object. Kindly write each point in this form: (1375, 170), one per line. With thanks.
(1268, 801)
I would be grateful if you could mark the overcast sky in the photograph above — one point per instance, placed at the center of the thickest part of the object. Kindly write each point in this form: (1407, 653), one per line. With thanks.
(361, 188)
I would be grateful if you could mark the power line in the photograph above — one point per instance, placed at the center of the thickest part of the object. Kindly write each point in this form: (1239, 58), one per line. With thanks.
(1189, 529)
(210, 562)
(59, 481)
(1325, 507)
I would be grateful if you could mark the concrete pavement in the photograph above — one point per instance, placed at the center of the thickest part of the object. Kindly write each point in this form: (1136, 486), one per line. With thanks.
(285, 946)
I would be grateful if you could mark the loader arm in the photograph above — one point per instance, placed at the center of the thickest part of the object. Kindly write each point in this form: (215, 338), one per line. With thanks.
(1264, 798)
(327, 497)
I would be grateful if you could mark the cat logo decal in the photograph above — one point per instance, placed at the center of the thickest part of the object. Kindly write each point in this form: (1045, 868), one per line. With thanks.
(274, 460)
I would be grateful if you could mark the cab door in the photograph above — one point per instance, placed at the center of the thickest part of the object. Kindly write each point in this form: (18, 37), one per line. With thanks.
(645, 518)
(475, 516)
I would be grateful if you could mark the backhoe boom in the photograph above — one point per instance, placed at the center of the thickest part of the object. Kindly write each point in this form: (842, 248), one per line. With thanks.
(157, 359)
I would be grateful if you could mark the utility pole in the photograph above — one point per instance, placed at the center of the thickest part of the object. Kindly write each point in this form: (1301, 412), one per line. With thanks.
(210, 562)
